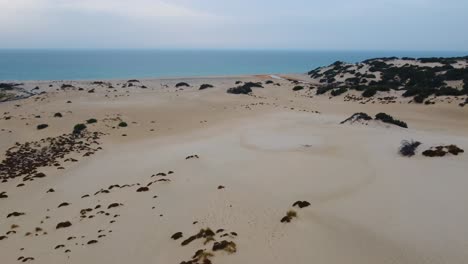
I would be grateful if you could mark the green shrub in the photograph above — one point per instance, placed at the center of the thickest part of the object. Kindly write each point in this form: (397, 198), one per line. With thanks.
(182, 84)
(323, 89)
(42, 126)
(78, 128)
(389, 119)
(298, 88)
(420, 98)
(123, 124)
(449, 91)
(91, 121)
(338, 91)
(369, 92)
(408, 148)
(205, 86)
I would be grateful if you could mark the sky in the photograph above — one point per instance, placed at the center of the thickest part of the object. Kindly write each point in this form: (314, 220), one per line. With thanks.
(236, 24)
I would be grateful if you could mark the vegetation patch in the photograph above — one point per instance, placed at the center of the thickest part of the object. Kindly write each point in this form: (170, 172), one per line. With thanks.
(42, 126)
(338, 91)
(182, 84)
(441, 151)
(390, 120)
(205, 86)
(298, 88)
(289, 216)
(408, 148)
(78, 128)
(415, 78)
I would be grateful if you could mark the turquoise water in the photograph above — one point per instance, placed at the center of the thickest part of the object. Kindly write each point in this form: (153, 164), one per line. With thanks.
(115, 64)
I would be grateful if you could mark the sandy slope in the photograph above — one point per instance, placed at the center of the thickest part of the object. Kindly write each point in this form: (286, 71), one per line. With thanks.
(368, 204)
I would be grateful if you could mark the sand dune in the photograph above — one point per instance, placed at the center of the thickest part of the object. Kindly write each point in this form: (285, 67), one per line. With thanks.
(190, 160)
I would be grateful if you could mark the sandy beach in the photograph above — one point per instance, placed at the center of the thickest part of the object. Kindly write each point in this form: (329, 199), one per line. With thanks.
(226, 169)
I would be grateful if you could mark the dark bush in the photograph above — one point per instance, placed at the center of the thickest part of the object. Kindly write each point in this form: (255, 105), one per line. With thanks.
(269, 82)
(453, 149)
(240, 90)
(78, 128)
(323, 89)
(66, 86)
(456, 74)
(369, 92)
(91, 121)
(298, 88)
(389, 119)
(449, 91)
(420, 98)
(357, 117)
(438, 152)
(42, 126)
(353, 81)
(253, 85)
(408, 148)
(338, 91)
(369, 76)
(182, 84)
(205, 86)
(8, 86)
(123, 124)
(57, 115)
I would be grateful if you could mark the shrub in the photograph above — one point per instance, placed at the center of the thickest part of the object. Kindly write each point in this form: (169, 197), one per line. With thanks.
(269, 82)
(453, 149)
(420, 98)
(8, 86)
(239, 90)
(78, 128)
(357, 117)
(389, 119)
(205, 86)
(323, 89)
(289, 216)
(91, 121)
(339, 91)
(253, 85)
(123, 124)
(246, 88)
(449, 91)
(298, 88)
(181, 84)
(369, 92)
(408, 148)
(66, 86)
(438, 152)
(353, 81)
(57, 115)
(42, 126)
(369, 76)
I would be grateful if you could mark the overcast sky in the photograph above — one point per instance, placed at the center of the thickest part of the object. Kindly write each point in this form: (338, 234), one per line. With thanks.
(239, 24)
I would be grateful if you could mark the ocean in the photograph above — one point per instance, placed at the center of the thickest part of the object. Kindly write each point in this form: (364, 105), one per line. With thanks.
(122, 64)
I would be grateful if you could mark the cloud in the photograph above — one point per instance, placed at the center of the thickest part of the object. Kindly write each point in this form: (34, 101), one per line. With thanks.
(313, 24)
(22, 14)
(149, 9)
